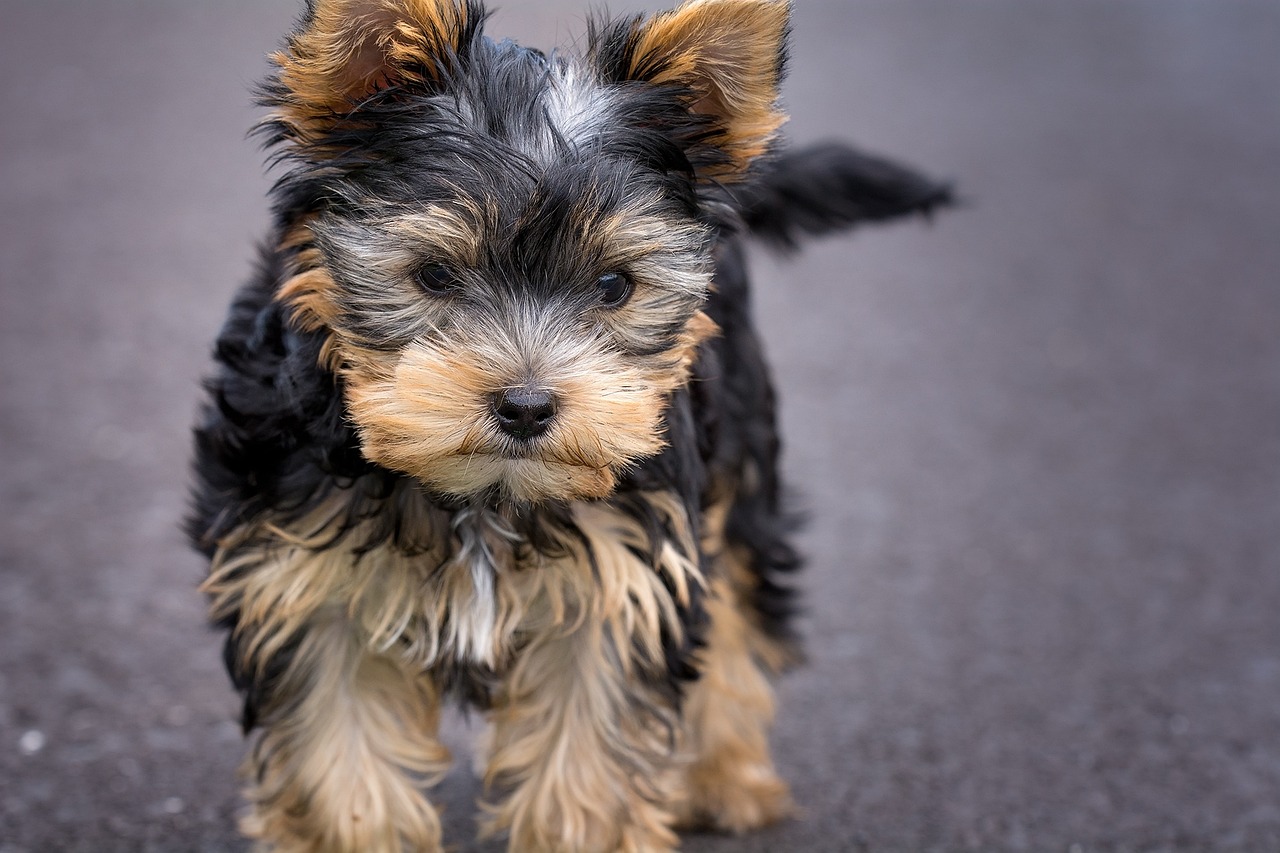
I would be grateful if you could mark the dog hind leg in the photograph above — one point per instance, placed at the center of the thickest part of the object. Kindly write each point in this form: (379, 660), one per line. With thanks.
(730, 781)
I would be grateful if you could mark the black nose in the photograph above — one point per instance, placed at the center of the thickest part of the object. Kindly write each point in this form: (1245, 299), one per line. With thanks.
(524, 412)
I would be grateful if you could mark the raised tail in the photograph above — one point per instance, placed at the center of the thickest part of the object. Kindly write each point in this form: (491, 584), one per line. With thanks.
(831, 186)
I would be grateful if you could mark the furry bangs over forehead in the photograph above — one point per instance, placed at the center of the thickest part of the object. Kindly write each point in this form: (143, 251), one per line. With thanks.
(692, 91)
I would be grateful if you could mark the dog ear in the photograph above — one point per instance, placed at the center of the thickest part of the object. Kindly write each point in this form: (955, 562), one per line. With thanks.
(725, 56)
(346, 50)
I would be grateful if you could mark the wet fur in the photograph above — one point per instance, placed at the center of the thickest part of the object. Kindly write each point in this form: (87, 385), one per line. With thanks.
(613, 595)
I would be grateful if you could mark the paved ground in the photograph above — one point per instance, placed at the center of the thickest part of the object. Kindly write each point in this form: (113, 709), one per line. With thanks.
(1040, 440)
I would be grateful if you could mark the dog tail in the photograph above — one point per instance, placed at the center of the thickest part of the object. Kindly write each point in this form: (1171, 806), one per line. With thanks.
(830, 186)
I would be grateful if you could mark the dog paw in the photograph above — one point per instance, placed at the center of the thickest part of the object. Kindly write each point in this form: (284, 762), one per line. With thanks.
(737, 802)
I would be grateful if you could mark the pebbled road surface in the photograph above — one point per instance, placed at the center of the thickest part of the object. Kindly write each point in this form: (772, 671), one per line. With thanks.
(1039, 440)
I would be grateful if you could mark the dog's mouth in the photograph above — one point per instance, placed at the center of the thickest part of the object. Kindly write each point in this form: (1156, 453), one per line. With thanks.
(542, 451)
(547, 453)
(525, 474)
(528, 450)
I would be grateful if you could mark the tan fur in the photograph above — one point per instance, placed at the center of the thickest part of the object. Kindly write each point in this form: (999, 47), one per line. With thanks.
(727, 52)
(344, 754)
(583, 748)
(581, 759)
(279, 580)
(732, 564)
(353, 47)
(310, 291)
(453, 233)
(428, 413)
(350, 741)
(730, 782)
(430, 417)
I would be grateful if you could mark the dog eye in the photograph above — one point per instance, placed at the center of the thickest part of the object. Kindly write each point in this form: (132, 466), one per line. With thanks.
(436, 278)
(613, 288)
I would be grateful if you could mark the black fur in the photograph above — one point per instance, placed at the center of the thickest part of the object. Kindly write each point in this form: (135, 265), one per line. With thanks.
(829, 187)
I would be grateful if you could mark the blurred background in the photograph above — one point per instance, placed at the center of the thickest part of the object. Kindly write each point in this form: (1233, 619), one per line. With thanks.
(1039, 439)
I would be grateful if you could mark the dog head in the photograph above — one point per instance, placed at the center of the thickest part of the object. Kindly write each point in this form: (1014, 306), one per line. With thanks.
(508, 252)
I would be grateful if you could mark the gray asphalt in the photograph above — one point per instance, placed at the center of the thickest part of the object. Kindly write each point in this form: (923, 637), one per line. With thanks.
(1039, 440)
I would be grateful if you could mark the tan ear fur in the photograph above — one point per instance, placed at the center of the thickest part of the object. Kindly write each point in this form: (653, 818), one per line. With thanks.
(349, 49)
(729, 53)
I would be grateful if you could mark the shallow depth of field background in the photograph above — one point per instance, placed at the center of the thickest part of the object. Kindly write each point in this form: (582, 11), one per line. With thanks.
(1039, 439)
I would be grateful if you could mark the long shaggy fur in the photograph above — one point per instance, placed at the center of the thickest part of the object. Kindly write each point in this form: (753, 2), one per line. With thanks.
(463, 223)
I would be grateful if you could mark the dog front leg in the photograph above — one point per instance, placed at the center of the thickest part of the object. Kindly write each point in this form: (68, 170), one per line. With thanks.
(348, 743)
(583, 749)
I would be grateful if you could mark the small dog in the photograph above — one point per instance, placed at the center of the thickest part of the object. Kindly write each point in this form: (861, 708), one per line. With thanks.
(491, 422)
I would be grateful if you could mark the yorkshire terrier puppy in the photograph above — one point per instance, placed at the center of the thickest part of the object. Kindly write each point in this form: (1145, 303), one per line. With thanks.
(491, 422)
